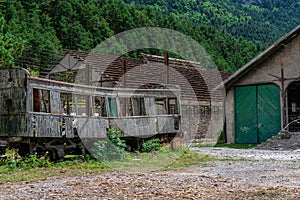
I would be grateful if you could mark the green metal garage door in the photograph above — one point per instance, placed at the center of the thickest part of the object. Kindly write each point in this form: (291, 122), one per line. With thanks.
(257, 113)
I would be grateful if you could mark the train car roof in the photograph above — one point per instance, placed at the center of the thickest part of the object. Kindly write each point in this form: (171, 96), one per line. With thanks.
(173, 88)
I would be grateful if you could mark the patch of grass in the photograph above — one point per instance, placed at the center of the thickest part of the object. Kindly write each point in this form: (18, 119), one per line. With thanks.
(33, 168)
(237, 146)
(10, 171)
(189, 158)
(160, 160)
(234, 146)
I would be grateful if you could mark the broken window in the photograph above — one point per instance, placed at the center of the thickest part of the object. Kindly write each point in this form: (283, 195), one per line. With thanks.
(99, 107)
(41, 100)
(138, 106)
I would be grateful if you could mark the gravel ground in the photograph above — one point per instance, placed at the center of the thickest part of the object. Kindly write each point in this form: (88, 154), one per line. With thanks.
(257, 167)
(251, 154)
(260, 174)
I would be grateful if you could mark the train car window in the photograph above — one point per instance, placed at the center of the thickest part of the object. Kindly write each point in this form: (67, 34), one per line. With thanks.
(67, 103)
(41, 100)
(150, 105)
(173, 109)
(126, 107)
(36, 100)
(112, 106)
(82, 105)
(112, 103)
(99, 107)
(138, 105)
(160, 105)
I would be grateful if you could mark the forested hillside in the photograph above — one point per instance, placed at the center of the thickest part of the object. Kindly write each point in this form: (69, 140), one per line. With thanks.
(34, 33)
(257, 20)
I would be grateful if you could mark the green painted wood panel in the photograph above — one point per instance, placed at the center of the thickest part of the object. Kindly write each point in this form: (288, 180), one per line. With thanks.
(245, 114)
(269, 112)
(257, 113)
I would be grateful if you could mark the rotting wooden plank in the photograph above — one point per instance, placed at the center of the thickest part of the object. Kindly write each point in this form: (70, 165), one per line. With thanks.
(135, 126)
(166, 124)
(42, 125)
(91, 127)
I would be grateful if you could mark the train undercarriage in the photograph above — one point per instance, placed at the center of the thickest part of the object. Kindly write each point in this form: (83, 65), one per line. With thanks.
(57, 148)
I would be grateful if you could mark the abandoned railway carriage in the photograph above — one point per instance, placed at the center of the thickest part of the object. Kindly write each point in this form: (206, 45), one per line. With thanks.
(41, 115)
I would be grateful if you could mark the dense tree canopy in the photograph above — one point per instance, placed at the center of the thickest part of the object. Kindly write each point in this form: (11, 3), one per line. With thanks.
(45, 28)
(262, 21)
(10, 46)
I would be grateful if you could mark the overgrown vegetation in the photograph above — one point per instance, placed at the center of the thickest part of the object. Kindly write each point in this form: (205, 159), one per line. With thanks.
(151, 145)
(112, 148)
(12, 169)
(163, 159)
(111, 152)
(31, 161)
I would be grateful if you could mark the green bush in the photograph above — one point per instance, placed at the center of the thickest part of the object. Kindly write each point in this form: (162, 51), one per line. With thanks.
(30, 161)
(112, 148)
(115, 137)
(9, 163)
(151, 145)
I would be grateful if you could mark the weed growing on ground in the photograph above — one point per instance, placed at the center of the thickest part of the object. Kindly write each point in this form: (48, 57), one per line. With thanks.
(151, 145)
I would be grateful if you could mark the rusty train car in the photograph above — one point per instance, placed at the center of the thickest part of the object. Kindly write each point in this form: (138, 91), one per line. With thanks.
(41, 115)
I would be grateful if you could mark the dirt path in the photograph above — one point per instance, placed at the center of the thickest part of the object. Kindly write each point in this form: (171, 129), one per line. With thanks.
(265, 178)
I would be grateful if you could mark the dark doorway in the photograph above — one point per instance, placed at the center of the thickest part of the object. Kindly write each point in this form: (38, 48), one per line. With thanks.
(294, 106)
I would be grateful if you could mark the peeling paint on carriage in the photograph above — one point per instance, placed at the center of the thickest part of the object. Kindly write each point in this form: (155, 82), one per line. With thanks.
(13, 103)
(46, 125)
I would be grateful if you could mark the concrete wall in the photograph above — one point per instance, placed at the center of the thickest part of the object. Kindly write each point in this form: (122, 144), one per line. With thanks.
(291, 55)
